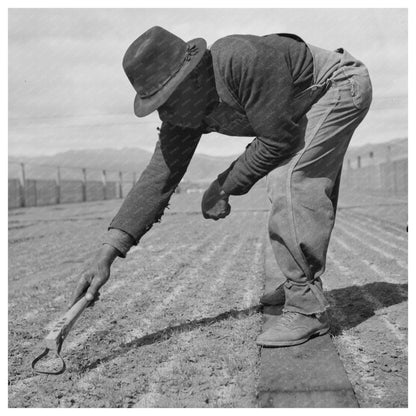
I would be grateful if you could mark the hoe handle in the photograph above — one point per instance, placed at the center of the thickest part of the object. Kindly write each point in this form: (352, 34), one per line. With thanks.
(56, 336)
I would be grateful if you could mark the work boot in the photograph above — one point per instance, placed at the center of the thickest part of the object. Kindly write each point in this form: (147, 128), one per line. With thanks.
(274, 298)
(294, 328)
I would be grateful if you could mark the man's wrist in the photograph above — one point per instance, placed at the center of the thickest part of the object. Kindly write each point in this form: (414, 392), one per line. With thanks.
(108, 254)
(119, 240)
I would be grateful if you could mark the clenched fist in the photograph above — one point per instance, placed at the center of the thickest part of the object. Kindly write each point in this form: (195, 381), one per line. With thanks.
(215, 202)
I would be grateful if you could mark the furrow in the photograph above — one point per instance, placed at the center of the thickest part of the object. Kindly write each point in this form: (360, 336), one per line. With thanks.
(102, 322)
(368, 296)
(359, 259)
(387, 224)
(370, 223)
(354, 348)
(373, 248)
(251, 293)
(166, 369)
(378, 239)
(112, 285)
(217, 287)
(47, 262)
(147, 323)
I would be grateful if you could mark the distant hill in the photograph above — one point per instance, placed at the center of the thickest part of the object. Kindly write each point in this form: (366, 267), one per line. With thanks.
(203, 168)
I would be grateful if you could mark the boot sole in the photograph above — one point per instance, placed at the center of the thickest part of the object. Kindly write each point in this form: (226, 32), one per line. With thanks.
(271, 304)
(265, 303)
(294, 342)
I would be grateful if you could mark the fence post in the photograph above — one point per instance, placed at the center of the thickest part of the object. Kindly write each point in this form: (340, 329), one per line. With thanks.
(120, 184)
(371, 156)
(358, 162)
(22, 185)
(58, 185)
(379, 175)
(35, 193)
(104, 180)
(134, 179)
(84, 184)
(395, 179)
(346, 173)
(388, 155)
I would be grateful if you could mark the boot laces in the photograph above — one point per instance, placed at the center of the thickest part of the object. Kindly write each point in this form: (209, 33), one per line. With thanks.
(288, 316)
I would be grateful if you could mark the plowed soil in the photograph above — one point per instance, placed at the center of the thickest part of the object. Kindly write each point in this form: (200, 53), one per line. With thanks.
(177, 321)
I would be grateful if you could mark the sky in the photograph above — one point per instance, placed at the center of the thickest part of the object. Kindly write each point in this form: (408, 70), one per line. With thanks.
(67, 88)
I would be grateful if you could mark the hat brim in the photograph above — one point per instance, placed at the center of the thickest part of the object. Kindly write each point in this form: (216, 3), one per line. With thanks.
(145, 106)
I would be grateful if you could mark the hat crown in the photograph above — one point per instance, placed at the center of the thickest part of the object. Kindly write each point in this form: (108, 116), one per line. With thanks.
(152, 59)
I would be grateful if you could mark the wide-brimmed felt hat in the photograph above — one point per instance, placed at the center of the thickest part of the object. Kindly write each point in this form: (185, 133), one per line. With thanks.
(156, 63)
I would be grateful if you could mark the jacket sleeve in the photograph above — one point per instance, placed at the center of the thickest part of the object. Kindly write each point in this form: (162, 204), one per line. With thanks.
(119, 240)
(145, 203)
(259, 78)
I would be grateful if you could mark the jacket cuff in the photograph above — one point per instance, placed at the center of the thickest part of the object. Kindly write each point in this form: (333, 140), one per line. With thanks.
(229, 185)
(120, 240)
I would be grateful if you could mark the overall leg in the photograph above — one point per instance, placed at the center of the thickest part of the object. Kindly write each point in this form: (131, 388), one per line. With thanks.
(304, 192)
(312, 193)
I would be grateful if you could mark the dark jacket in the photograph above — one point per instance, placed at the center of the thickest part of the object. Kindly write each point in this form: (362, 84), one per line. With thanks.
(259, 81)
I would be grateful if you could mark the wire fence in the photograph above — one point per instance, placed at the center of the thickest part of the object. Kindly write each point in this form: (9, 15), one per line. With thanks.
(32, 184)
(388, 178)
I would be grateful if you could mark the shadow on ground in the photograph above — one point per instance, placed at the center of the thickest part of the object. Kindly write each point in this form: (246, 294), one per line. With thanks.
(350, 306)
(166, 333)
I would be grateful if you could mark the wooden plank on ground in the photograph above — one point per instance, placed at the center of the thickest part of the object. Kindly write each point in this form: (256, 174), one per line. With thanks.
(306, 375)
